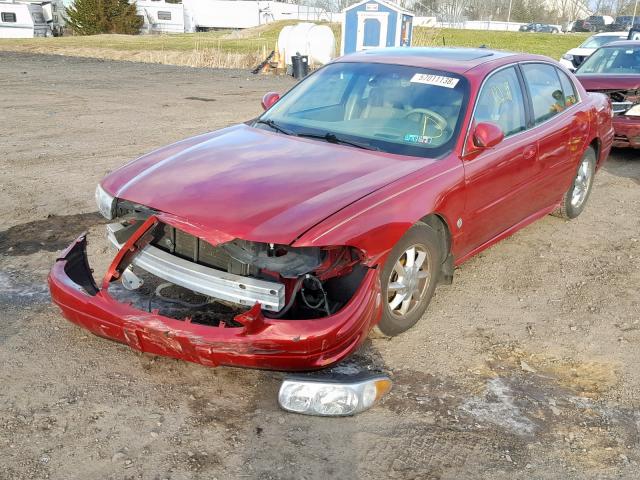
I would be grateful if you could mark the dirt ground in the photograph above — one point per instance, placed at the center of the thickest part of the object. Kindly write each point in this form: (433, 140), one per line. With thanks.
(527, 367)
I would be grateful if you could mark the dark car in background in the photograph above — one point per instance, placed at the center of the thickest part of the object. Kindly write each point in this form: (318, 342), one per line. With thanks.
(626, 22)
(615, 71)
(579, 26)
(539, 28)
(599, 23)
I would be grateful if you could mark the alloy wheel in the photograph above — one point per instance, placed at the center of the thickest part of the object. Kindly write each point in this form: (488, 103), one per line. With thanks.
(409, 281)
(581, 183)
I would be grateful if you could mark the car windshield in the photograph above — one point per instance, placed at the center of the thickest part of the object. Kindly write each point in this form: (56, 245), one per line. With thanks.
(621, 60)
(392, 108)
(598, 41)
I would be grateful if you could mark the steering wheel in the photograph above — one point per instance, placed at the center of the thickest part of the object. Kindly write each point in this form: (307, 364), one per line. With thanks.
(438, 120)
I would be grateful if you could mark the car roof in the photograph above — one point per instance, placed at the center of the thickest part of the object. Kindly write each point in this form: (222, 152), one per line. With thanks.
(622, 43)
(452, 59)
(612, 34)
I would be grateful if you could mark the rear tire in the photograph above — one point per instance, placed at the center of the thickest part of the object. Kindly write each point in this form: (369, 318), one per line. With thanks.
(409, 278)
(575, 199)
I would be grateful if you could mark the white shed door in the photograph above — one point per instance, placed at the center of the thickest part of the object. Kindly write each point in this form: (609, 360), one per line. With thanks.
(372, 30)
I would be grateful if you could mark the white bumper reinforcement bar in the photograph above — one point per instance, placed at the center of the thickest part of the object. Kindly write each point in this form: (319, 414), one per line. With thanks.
(208, 281)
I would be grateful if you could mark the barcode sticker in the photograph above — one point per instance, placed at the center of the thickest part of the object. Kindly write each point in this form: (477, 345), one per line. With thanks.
(438, 80)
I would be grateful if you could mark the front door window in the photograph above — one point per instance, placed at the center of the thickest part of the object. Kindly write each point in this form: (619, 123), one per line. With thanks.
(501, 102)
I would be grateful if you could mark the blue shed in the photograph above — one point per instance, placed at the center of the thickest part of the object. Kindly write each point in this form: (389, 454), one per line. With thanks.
(375, 23)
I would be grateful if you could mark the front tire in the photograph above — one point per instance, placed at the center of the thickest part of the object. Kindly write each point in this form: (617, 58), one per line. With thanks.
(409, 278)
(575, 199)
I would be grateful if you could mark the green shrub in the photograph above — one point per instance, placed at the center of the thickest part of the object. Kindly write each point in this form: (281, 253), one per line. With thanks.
(91, 17)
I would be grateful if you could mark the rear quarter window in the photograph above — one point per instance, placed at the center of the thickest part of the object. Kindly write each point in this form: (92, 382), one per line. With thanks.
(568, 89)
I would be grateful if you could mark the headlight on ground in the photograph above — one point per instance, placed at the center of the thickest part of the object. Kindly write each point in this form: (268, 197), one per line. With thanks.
(567, 56)
(331, 398)
(106, 203)
(634, 111)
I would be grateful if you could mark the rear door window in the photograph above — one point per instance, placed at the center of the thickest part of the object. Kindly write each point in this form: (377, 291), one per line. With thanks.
(545, 90)
(501, 102)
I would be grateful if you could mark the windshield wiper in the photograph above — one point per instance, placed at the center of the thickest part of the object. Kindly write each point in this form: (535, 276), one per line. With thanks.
(329, 137)
(332, 138)
(275, 126)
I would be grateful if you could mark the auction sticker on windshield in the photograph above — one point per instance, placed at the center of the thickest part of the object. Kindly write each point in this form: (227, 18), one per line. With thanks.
(438, 80)
(418, 139)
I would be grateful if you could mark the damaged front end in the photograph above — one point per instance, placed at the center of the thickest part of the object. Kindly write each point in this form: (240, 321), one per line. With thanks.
(177, 290)
(626, 116)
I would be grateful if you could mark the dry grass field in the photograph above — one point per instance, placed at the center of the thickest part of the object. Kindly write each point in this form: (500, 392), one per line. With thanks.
(246, 48)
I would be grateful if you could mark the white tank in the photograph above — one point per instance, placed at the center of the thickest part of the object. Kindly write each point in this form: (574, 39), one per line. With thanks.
(282, 43)
(315, 41)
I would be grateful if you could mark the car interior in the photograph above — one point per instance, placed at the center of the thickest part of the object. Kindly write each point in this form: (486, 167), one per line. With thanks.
(501, 102)
(392, 108)
(625, 60)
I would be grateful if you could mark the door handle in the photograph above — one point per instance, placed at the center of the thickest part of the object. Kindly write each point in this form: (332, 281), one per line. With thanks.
(530, 152)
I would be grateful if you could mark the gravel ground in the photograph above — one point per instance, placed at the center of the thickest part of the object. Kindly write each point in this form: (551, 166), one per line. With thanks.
(528, 366)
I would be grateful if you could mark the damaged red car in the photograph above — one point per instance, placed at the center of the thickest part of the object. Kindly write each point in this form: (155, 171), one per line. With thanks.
(615, 71)
(281, 242)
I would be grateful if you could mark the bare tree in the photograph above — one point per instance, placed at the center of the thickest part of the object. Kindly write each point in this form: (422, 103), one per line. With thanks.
(603, 7)
(569, 9)
(446, 10)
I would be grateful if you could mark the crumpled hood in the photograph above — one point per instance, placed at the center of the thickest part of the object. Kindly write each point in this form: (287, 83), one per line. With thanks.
(255, 184)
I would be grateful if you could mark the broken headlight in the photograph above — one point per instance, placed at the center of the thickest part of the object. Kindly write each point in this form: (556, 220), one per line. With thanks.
(106, 203)
(290, 262)
(634, 111)
(331, 398)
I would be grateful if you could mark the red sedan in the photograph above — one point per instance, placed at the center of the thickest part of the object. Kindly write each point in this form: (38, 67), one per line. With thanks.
(615, 71)
(280, 243)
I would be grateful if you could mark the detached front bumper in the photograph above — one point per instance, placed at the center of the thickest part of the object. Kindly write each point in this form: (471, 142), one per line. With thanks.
(289, 345)
(627, 131)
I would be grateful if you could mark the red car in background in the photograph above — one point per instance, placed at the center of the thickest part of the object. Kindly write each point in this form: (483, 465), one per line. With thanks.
(615, 71)
(280, 243)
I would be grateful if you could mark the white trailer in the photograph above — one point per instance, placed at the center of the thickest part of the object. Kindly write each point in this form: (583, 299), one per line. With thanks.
(161, 17)
(213, 14)
(53, 13)
(23, 20)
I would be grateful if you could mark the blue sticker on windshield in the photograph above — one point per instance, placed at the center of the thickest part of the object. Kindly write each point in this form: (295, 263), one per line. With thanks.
(422, 139)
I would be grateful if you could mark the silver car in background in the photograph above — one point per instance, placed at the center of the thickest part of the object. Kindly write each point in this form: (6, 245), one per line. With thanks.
(574, 57)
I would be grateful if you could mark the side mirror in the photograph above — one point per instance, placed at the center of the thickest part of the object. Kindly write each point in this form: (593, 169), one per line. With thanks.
(269, 99)
(487, 135)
